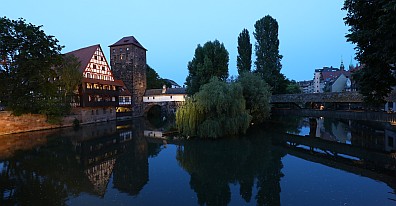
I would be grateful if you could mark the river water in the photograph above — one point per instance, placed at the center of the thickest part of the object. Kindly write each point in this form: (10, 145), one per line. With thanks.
(289, 161)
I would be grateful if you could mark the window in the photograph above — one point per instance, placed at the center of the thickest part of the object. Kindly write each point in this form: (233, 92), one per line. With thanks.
(126, 99)
(127, 48)
(120, 49)
(102, 58)
(113, 50)
(94, 66)
(121, 99)
(95, 57)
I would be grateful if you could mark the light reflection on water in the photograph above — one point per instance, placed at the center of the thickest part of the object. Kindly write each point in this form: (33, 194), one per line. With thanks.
(116, 164)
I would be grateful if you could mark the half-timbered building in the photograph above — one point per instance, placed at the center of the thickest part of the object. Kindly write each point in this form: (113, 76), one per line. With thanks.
(98, 95)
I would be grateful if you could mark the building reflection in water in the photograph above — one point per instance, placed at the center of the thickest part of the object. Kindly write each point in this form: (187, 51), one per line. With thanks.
(371, 135)
(76, 161)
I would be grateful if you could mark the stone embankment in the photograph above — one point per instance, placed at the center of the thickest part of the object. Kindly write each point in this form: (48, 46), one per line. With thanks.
(10, 124)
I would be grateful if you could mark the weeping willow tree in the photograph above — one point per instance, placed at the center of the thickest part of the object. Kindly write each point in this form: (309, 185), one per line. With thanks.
(217, 110)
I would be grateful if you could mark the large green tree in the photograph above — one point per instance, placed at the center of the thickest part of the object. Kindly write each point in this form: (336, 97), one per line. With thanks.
(28, 58)
(154, 81)
(257, 95)
(69, 76)
(209, 60)
(244, 59)
(268, 61)
(372, 28)
(217, 110)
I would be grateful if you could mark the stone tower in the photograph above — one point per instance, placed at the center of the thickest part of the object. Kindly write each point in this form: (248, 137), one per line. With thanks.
(128, 63)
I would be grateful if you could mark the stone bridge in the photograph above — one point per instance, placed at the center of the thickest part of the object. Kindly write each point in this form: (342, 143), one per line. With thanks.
(334, 97)
(167, 108)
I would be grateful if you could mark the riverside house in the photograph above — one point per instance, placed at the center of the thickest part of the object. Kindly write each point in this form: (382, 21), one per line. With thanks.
(98, 94)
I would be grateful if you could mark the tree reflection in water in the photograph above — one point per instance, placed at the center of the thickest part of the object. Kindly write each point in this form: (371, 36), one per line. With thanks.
(214, 165)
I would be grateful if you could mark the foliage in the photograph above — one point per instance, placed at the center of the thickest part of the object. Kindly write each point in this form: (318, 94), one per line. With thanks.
(217, 110)
(244, 59)
(268, 61)
(293, 87)
(70, 76)
(154, 81)
(28, 57)
(372, 29)
(208, 61)
(257, 95)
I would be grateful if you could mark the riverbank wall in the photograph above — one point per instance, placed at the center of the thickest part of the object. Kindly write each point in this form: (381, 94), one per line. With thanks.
(10, 124)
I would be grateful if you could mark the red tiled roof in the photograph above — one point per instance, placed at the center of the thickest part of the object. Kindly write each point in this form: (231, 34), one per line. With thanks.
(85, 55)
(330, 75)
(128, 40)
(124, 90)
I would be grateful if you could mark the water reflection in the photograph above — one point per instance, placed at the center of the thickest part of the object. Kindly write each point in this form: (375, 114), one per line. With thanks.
(57, 166)
(214, 165)
(371, 135)
(69, 162)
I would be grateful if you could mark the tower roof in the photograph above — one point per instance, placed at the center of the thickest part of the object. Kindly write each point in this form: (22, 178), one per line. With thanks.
(128, 40)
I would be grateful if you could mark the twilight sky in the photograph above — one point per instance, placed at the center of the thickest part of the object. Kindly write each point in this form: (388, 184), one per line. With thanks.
(311, 32)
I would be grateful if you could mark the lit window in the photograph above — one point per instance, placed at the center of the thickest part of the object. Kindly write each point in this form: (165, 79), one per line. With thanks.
(120, 49)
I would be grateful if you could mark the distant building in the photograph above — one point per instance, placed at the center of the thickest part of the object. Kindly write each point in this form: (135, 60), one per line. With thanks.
(128, 63)
(318, 83)
(330, 79)
(306, 86)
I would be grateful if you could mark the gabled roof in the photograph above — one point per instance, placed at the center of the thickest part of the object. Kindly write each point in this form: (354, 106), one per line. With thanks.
(330, 75)
(128, 40)
(84, 55)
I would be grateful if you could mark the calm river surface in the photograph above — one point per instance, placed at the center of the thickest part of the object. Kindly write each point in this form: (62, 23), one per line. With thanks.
(292, 161)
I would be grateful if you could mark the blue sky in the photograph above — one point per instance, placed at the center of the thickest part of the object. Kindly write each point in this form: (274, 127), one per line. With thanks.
(311, 32)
